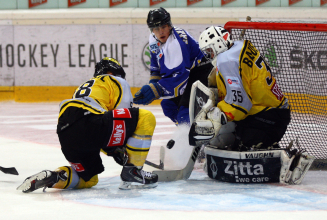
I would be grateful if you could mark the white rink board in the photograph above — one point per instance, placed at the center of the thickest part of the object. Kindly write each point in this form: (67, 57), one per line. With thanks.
(65, 55)
(7, 74)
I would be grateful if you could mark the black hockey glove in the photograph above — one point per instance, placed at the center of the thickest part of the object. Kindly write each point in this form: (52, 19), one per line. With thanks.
(120, 156)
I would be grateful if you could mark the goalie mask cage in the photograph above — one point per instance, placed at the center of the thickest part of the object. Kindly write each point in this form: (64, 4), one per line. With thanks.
(297, 56)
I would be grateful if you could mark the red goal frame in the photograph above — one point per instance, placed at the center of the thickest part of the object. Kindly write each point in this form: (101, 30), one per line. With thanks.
(275, 26)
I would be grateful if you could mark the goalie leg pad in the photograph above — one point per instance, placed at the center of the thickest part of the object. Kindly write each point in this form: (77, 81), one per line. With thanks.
(295, 167)
(301, 168)
(243, 167)
(286, 162)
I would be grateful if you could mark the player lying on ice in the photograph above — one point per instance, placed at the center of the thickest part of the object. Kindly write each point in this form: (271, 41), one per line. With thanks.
(249, 102)
(100, 117)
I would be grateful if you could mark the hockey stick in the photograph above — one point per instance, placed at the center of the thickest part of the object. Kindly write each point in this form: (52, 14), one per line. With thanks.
(183, 174)
(319, 164)
(161, 163)
(10, 170)
(200, 95)
(160, 166)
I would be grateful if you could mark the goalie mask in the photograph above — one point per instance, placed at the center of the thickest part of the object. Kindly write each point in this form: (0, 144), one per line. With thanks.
(157, 18)
(111, 65)
(213, 41)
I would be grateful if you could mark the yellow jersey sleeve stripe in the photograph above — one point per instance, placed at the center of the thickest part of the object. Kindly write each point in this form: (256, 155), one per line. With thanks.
(142, 137)
(120, 91)
(77, 104)
(263, 110)
(242, 54)
(239, 108)
(137, 149)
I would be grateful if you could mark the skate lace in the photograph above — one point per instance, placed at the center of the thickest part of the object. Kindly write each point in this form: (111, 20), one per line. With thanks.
(145, 173)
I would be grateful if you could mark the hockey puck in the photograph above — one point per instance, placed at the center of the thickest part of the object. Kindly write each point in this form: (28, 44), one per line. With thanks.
(170, 144)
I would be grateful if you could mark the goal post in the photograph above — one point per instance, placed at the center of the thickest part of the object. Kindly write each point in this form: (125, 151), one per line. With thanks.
(275, 26)
(297, 56)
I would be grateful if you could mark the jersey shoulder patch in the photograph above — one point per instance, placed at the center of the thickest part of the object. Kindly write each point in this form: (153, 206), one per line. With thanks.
(154, 45)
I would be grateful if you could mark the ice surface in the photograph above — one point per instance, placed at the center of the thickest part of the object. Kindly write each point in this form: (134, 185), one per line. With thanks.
(28, 141)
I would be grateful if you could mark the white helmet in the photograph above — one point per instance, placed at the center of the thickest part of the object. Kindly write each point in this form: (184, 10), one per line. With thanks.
(213, 41)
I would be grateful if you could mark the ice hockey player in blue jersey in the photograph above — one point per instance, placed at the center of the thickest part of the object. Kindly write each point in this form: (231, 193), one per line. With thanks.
(174, 53)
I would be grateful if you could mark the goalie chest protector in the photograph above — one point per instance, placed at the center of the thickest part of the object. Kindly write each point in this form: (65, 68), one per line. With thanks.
(243, 167)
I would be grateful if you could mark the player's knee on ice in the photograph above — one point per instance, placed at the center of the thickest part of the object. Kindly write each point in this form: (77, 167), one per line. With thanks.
(73, 180)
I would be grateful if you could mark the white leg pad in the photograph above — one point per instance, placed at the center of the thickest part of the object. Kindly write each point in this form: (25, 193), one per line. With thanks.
(285, 172)
(301, 168)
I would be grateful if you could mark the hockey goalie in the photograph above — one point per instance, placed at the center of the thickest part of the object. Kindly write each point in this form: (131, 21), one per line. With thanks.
(241, 120)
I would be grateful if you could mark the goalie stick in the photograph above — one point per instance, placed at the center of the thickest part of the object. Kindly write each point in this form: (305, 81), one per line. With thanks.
(10, 170)
(200, 95)
(319, 164)
(183, 174)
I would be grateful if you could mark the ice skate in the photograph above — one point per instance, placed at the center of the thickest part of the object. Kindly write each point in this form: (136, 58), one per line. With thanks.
(133, 178)
(45, 178)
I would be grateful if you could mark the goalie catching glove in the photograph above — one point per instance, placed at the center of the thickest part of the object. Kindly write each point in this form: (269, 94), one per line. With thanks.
(206, 124)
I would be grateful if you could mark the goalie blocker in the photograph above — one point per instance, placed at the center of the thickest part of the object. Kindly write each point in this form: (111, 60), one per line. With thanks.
(257, 166)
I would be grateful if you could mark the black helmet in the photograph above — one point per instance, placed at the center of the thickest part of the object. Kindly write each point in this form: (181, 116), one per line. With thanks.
(158, 17)
(109, 64)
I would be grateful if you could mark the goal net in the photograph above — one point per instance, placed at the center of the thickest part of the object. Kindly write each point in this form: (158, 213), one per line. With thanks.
(297, 56)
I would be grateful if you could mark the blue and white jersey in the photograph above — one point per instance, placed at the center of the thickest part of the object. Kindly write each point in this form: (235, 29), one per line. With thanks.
(173, 61)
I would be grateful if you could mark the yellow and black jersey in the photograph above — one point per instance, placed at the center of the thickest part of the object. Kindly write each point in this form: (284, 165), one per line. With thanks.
(100, 94)
(245, 83)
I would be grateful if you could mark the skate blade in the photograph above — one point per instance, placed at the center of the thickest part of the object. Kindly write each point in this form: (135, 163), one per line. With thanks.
(27, 184)
(132, 185)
